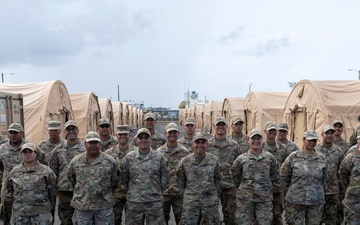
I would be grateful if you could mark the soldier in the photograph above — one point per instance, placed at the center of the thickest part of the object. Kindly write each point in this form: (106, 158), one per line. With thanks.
(157, 138)
(9, 157)
(54, 139)
(350, 176)
(256, 174)
(304, 177)
(283, 130)
(59, 163)
(94, 176)
(339, 128)
(107, 140)
(280, 152)
(353, 138)
(32, 186)
(333, 155)
(118, 152)
(226, 150)
(199, 176)
(237, 134)
(189, 131)
(173, 152)
(144, 175)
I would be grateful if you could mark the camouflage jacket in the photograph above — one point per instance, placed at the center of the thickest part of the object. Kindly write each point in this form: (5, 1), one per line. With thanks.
(279, 151)
(352, 149)
(173, 158)
(10, 157)
(226, 154)
(94, 181)
(144, 178)
(256, 176)
(187, 143)
(201, 181)
(105, 145)
(3, 139)
(304, 178)
(118, 155)
(242, 142)
(33, 190)
(350, 178)
(47, 146)
(333, 157)
(290, 147)
(157, 140)
(352, 140)
(59, 162)
(344, 145)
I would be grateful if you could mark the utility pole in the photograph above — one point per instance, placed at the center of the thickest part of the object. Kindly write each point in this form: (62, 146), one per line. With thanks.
(118, 93)
(3, 74)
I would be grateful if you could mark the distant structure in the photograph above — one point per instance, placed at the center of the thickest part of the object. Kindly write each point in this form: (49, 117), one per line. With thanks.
(192, 99)
(131, 103)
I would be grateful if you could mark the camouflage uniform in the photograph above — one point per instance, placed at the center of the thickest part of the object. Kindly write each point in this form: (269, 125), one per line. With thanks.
(352, 149)
(120, 192)
(290, 146)
(144, 178)
(304, 178)
(226, 152)
(186, 142)
(3, 139)
(350, 175)
(242, 142)
(59, 163)
(111, 142)
(333, 155)
(172, 193)
(34, 193)
(10, 157)
(157, 140)
(47, 146)
(352, 140)
(201, 183)
(94, 183)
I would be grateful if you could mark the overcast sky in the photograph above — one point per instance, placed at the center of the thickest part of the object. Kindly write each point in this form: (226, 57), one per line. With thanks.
(157, 50)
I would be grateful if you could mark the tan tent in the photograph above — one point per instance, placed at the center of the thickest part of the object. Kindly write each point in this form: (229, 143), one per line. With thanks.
(118, 114)
(198, 112)
(86, 112)
(190, 112)
(216, 111)
(131, 116)
(106, 110)
(182, 116)
(134, 117)
(313, 104)
(206, 118)
(140, 117)
(43, 101)
(125, 118)
(261, 107)
(232, 107)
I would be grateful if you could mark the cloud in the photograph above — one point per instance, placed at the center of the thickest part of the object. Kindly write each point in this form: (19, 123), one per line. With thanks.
(231, 37)
(270, 47)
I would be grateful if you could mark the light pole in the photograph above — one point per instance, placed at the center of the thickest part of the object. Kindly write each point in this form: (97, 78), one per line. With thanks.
(356, 71)
(250, 87)
(3, 74)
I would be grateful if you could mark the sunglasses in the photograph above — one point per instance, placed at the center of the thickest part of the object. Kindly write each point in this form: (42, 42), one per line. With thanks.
(105, 126)
(143, 137)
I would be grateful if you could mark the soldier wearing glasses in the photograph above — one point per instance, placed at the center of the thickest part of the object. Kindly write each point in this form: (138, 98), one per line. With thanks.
(104, 130)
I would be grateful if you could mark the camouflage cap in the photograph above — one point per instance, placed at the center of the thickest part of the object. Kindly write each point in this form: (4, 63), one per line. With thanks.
(337, 121)
(310, 135)
(254, 132)
(220, 120)
(104, 121)
(171, 126)
(123, 129)
(283, 126)
(199, 135)
(54, 125)
(143, 131)
(29, 145)
(189, 121)
(149, 115)
(70, 123)
(16, 127)
(237, 119)
(92, 136)
(270, 125)
(328, 127)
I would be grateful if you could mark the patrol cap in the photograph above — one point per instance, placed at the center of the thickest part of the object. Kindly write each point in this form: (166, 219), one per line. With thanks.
(92, 136)
(270, 125)
(104, 121)
(143, 131)
(189, 121)
(199, 135)
(283, 126)
(237, 119)
(338, 121)
(30, 146)
(220, 120)
(123, 129)
(54, 125)
(328, 127)
(16, 127)
(171, 126)
(310, 135)
(70, 123)
(149, 115)
(254, 132)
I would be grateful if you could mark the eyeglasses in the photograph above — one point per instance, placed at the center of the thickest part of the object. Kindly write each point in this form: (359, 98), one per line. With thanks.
(105, 126)
(71, 128)
(200, 141)
(143, 137)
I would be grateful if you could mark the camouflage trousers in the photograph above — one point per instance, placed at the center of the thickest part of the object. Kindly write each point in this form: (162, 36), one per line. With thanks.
(205, 215)
(278, 208)
(247, 211)
(150, 212)
(93, 217)
(7, 209)
(65, 211)
(177, 203)
(351, 215)
(296, 214)
(228, 203)
(330, 209)
(119, 206)
(43, 219)
(340, 210)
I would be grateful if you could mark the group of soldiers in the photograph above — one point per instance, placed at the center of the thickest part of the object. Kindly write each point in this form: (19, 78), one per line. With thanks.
(255, 178)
